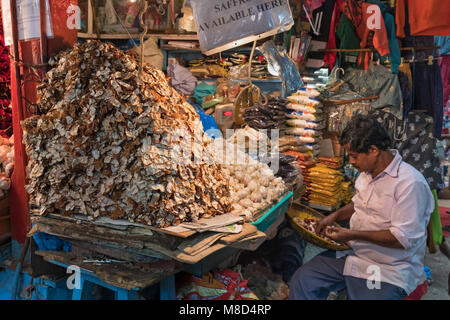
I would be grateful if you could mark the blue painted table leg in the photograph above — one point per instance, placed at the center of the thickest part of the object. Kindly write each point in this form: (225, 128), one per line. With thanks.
(167, 288)
(78, 292)
(123, 294)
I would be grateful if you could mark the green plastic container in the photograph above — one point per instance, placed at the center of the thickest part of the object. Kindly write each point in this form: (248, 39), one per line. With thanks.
(273, 213)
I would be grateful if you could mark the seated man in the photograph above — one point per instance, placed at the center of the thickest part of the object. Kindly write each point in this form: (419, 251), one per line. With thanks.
(388, 225)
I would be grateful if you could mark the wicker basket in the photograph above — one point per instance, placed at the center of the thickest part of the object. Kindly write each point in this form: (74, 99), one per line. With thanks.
(301, 211)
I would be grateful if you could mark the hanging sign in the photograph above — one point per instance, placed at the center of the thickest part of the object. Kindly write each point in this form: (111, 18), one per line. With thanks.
(223, 24)
(28, 24)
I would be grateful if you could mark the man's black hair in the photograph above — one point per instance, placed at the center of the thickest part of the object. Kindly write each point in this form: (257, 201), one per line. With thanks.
(362, 132)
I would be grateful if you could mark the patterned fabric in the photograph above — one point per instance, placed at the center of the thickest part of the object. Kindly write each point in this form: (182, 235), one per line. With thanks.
(414, 140)
(377, 81)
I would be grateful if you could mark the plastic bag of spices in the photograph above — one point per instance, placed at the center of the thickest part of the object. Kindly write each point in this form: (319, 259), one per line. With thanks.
(223, 284)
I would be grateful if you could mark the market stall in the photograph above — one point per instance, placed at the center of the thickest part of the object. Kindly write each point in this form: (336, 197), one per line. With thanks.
(158, 140)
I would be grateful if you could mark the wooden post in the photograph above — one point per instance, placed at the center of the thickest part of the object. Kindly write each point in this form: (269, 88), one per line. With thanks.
(90, 30)
(30, 54)
(18, 196)
(43, 21)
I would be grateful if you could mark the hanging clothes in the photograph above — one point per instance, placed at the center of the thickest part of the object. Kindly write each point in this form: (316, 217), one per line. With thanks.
(444, 64)
(377, 81)
(444, 44)
(330, 57)
(314, 4)
(406, 93)
(413, 138)
(428, 92)
(347, 39)
(325, 15)
(358, 13)
(405, 68)
(417, 42)
(426, 18)
(394, 56)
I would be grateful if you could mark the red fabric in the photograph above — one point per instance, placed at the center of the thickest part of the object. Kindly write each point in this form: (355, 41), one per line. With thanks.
(330, 57)
(420, 291)
(426, 17)
(445, 219)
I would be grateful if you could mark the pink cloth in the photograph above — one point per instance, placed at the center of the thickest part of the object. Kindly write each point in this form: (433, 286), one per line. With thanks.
(444, 64)
(314, 4)
(399, 200)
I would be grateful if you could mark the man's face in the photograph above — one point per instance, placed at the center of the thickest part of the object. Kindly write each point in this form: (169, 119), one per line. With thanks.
(363, 162)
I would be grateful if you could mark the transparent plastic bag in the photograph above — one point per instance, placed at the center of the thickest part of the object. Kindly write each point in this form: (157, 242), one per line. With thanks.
(221, 24)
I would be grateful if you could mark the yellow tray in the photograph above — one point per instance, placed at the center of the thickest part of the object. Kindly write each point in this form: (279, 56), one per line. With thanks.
(301, 211)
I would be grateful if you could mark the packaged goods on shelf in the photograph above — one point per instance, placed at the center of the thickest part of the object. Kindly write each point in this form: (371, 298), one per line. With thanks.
(269, 116)
(299, 123)
(303, 162)
(326, 186)
(305, 107)
(332, 162)
(303, 132)
(308, 92)
(304, 120)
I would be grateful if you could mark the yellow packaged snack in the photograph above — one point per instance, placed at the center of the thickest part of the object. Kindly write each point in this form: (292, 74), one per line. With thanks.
(327, 186)
(330, 180)
(323, 172)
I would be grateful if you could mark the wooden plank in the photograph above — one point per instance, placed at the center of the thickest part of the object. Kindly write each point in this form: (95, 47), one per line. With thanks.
(90, 230)
(4, 206)
(174, 48)
(162, 36)
(90, 17)
(125, 276)
(116, 253)
(136, 229)
(5, 225)
(119, 240)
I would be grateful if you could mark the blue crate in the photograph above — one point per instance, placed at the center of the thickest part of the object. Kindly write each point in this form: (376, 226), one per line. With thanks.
(273, 213)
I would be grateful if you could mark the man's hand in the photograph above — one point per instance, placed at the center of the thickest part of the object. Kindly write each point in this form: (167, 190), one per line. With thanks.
(339, 234)
(343, 213)
(325, 222)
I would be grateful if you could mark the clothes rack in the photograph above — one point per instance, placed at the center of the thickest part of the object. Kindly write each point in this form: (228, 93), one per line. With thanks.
(373, 49)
